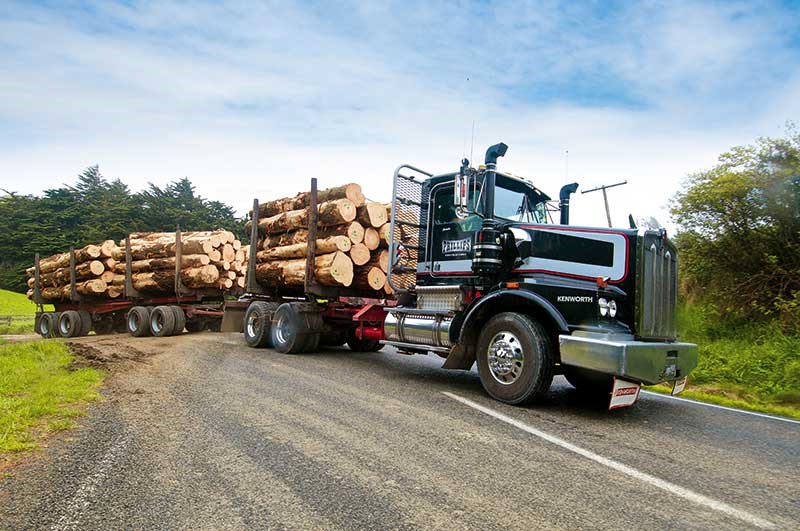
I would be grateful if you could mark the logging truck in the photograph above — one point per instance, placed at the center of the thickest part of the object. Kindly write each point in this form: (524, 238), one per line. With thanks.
(148, 287)
(478, 274)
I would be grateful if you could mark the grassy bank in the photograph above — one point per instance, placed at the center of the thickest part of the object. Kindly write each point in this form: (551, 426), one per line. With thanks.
(751, 366)
(18, 305)
(39, 394)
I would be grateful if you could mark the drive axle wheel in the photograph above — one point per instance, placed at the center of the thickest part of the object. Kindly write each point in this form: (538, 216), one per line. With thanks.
(295, 329)
(162, 321)
(515, 358)
(258, 324)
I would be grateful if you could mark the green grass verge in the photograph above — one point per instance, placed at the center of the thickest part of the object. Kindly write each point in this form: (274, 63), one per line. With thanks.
(39, 394)
(753, 366)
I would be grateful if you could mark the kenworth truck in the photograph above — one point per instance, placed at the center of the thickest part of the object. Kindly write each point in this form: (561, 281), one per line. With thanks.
(480, 276)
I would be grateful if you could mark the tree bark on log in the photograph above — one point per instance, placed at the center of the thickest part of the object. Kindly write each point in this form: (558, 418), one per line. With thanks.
(351, 192)
(83, 271)
(164, 280)
(153, 264)
(334, 212)
(335, 269)
(57, 261)
(372, 215)
(87, 287)
(300, 250)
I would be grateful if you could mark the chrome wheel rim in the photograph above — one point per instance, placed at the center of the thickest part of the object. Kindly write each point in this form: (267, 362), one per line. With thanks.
(133, 322)
(283, 332)
(252, 322)
(505, 357)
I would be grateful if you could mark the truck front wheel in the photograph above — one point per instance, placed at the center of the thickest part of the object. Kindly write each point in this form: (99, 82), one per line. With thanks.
(515, 358)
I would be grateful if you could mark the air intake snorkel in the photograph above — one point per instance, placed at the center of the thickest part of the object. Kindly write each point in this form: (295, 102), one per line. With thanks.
(563, 201)
(487, 258)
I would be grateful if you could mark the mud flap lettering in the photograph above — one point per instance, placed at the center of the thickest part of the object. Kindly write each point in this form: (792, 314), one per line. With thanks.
(623, 394)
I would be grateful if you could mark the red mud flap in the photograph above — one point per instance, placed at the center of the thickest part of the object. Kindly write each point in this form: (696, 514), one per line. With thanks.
(623, 394)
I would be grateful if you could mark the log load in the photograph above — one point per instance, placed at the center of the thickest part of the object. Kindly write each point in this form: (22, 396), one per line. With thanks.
(369, 278)
(372, 215)
(334, 212)
(328, 245)
(334, 269)
(100, 269)
(351, 192)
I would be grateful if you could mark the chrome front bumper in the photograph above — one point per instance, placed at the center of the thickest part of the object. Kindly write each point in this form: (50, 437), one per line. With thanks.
(638, 361)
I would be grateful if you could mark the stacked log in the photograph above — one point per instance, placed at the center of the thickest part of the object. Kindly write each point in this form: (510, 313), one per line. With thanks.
(209, 260)
(350, 247)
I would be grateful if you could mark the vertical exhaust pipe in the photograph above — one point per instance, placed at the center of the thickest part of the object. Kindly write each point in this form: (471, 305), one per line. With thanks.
(563, 201)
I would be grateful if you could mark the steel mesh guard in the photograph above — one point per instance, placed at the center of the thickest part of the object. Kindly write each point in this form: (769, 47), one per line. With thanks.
(408, 241)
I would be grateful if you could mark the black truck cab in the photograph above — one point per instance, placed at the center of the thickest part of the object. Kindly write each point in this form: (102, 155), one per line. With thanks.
(484, 276)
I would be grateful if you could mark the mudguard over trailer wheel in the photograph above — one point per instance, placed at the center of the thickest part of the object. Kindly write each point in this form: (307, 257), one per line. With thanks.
(138, 321)
(69, 324)
(295, 329)
(258, 324)
(162, 321)
(515, 358)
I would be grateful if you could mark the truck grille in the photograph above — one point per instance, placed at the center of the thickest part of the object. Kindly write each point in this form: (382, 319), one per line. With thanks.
(657, 287)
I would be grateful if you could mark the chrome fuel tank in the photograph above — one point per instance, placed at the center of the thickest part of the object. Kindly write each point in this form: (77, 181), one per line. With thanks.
(431, 330)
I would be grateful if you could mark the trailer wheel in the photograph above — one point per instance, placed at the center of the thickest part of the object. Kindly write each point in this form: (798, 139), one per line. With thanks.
(37, 323)
(180, 320)
(162, 321)
(49, 324)
(86, 322)
(258, 324)
(515, 359)
(138, 321)
(69, 324)
(290, 330)
(590, 383)
(362, 345)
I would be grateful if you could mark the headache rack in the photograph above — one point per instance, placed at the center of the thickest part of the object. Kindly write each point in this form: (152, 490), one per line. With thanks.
(407, 237)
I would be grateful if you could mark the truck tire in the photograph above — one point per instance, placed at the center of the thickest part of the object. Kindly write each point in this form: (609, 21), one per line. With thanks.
(138, 321)
(590, 383)
(180, 320)
(162, 321)
(69, 324)
(515, 358)
(290, 331)
(258, 324)
(86, 322)
(333, 338)
(362, 345)
(49, 324)
(37, 323)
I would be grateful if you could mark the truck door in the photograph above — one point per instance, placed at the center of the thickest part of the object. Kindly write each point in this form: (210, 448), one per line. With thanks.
(452, 236)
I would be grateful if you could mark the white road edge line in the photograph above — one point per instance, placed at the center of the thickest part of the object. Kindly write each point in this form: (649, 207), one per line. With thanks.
(717, 406)
(88, 487)
(625, 469)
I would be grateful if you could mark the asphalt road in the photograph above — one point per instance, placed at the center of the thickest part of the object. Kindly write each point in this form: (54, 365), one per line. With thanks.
(208, 434)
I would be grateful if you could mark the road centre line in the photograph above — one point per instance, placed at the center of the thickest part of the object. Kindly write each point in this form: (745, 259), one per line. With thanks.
(620, 467)
(717, 406)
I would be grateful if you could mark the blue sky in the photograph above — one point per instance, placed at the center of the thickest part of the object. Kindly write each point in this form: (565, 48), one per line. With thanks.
(251, 98)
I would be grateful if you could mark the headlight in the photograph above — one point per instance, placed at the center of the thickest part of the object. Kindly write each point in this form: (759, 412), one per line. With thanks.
(603, 304)
(612, 309)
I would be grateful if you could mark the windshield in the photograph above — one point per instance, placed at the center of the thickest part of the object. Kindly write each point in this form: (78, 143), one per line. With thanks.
(516, 206)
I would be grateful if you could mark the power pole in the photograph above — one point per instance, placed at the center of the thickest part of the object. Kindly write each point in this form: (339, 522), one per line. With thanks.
(605, 196)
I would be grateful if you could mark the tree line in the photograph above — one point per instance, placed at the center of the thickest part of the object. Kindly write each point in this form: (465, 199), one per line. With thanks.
(739, 233)
(94, 209)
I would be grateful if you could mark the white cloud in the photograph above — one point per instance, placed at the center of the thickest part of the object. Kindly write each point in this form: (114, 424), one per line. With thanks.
(253, 99)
